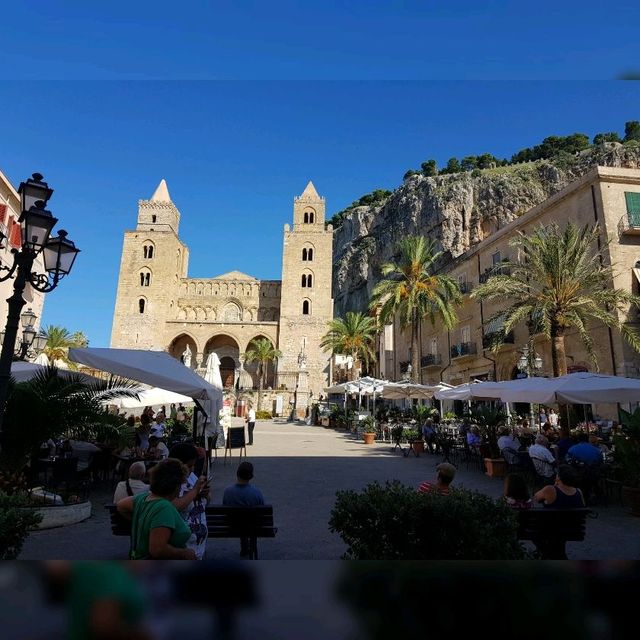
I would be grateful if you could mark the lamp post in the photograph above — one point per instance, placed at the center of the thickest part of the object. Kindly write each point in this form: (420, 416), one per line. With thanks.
(530, 363)
(58, 254)
(31, 343)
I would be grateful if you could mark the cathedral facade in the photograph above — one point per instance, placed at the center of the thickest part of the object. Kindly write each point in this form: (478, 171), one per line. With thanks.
(159, 307)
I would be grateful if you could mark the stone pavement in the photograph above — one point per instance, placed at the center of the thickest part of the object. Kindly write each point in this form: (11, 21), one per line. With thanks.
(299, 468)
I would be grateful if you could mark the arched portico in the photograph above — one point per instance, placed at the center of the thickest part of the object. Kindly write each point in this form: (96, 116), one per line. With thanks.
(252, 367)
(178, 346)
(227, 349)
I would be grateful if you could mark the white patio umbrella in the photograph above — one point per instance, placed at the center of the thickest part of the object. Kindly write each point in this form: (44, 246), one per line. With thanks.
(213, 377)
(578, 388)
(42, 360)
(151, 398)
(473, 391)
(401, 390)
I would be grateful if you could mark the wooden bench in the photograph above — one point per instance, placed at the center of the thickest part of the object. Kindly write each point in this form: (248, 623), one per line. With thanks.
(222, 522)
(550, 529)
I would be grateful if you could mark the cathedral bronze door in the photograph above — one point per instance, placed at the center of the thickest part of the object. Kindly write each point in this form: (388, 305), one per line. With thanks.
(227, 372)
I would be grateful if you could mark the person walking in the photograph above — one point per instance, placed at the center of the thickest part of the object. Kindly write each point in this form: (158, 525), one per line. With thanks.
(251, 422)
(243, 494)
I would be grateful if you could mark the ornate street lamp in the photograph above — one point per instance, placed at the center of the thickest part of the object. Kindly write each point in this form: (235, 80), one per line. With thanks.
(31, 343)
(59, 254)
(530, 363)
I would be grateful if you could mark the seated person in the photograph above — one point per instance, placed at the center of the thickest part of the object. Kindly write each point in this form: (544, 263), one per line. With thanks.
(508, 441)
(133, 485)
(429, 434)
(157, 449)
(563, 494)
(585, 452)
(549, 432)
(565, 442)
(446, 473)
(516, 493)
(473, 437)
(543, 460)
(524, 429)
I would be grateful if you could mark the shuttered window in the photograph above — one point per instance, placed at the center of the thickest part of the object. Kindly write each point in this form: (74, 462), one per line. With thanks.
(633, 207)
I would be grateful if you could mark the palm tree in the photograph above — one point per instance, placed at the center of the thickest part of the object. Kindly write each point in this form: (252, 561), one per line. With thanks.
(79, 339)
(412, 290)
(262, 351)
(353, 335)
(58, 343)
(562, 283)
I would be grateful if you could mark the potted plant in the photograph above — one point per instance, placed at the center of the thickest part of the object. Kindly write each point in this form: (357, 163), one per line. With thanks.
(369, 427)
(627, 458)
(414, 438)
(489, 421)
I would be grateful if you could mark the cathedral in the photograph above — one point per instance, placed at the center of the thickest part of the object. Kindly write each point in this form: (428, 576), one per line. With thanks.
(159, 307)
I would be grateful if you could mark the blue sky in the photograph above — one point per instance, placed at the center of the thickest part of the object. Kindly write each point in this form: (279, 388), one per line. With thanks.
(237, 108)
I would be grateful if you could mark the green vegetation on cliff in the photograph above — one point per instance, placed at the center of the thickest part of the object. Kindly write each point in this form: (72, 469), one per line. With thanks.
(561, 151)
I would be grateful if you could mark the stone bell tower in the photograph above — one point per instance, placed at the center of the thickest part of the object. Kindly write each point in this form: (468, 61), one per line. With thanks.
(306, 304)
(154, 259)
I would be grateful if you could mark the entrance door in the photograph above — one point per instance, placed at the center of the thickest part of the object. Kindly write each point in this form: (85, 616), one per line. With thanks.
(227, 371)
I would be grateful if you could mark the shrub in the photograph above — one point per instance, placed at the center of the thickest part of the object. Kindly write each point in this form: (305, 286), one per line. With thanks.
(15, 522)
(395, 522)
(263, 415)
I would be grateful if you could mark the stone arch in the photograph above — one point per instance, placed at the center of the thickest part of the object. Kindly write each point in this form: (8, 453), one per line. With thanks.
(252, 367)
(148, 250)
(179, 344)
(182, 313)
(192, 288)
(145, 275)
(306, 307)
(232, 312)
(191, 313)
(199, 288)
(307, 279)
(201, 314)
(308, 252)
(142, 305)
(227, 348)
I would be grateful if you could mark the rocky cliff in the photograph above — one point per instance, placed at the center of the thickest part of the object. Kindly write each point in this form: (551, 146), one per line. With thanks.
(458, 210)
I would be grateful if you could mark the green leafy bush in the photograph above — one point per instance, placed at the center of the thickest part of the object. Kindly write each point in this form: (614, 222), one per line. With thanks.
(395, 522)
(15, 522)
(263, 415)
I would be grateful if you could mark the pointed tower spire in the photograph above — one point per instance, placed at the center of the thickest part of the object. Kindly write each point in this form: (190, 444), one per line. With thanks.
(310, 192)
(161, 194)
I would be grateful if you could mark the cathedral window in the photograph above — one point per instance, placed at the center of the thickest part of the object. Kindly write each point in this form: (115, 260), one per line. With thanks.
(145, 278)
(232, 313)
(306, 308)
(153, 218)
(307, 254)
(311, 217)
(306, 217)
(307, 280)
(304, 255)
(147, 251)
(304, 280)
(141, 305)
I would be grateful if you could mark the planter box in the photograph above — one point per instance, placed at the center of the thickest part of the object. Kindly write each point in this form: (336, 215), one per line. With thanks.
(418, 446)
(62, 516)
(496, 467)
(369, 438)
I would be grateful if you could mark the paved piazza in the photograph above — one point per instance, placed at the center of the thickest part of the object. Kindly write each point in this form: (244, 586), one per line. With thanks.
(299, 469)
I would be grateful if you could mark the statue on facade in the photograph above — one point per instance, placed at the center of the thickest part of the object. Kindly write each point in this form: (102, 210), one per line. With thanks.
(186, 357)
(302, 361)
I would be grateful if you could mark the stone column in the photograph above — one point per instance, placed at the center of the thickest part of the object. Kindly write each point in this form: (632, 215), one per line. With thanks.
(302, 395)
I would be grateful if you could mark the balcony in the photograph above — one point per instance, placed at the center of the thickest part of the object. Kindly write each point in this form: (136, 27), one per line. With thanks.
(464, 349)
(465, 287)
(629, 225)
(497, 338)
(496, 270)
(431, 360)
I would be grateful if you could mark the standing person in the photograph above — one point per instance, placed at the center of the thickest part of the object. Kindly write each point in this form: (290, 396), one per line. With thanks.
(180, 413)
(192, 499)
(143, 432)
(243, 494)
(158, 428)
(173, 412)
(543, 416)
(251, 422)
(158, 531)
(553, 418)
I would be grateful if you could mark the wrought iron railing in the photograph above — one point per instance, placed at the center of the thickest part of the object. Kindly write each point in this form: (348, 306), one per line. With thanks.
(431, 360)
(464, 349)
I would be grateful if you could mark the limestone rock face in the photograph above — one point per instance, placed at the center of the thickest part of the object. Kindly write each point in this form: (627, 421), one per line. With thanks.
(458, 211)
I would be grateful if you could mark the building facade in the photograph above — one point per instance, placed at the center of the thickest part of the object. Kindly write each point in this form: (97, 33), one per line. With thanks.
(159, 307)
(607, 196)
(11, 238)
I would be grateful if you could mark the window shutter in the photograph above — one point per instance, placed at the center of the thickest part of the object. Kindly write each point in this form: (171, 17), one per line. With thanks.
(15, 234)
(633, 203)
(3, 213)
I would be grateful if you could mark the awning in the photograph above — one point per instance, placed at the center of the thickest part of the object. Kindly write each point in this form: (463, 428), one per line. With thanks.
(23, 371)
(155, 368)
(151, 398)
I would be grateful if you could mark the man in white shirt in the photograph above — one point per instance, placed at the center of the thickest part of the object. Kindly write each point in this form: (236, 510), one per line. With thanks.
(157, 449)
(508, 441)
(251, 422)
(159, 426)
(553, 418)
(543, 460)
(134, 485)
(84, 451)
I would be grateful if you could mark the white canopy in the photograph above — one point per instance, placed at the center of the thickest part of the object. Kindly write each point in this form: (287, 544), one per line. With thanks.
(155, 368)
(23, 371)
(151, 398)
(473, 391)
(399, 390)
(579, 388)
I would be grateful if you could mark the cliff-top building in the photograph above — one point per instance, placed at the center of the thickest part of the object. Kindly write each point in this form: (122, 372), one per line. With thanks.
(159, 307)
